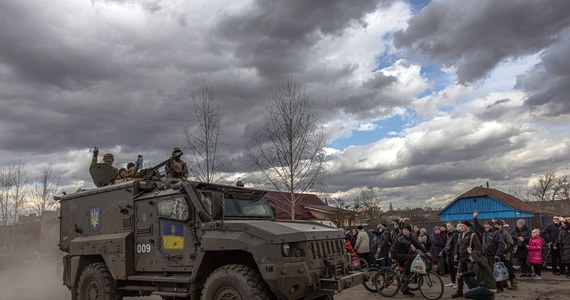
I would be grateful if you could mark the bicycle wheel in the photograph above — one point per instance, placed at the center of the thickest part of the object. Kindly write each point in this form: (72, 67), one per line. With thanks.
(369, 284)
(414, 282)
(387, 283)
(431, 286)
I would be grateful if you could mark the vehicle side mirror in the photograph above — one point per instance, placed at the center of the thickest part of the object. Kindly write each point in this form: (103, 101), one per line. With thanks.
(217, 206)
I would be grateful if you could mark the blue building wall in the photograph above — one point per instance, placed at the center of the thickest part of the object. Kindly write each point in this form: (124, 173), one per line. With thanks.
(487, 207)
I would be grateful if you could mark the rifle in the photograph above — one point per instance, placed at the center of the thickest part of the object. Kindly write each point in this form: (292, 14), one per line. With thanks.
(149, 172)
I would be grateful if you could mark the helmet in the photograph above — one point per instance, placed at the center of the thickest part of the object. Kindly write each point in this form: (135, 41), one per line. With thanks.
(176, 151)
(108, 158)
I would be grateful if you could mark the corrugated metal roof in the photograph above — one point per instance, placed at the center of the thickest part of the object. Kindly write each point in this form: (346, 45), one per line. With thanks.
(505, 198)
(509, 200)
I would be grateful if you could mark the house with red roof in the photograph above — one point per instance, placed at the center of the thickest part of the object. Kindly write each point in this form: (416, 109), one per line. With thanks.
(307, 207)
(490, 204)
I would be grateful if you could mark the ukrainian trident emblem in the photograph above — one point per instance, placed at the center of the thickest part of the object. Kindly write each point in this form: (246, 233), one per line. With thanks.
(95, 218)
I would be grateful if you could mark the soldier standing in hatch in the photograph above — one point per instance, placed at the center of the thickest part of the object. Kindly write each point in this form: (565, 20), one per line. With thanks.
(176, 168)
(108, 158)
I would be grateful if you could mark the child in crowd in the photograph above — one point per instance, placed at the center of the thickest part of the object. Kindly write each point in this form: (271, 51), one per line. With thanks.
(535, 253)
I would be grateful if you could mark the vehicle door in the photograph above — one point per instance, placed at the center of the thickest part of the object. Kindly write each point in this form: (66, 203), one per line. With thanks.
(164, 235)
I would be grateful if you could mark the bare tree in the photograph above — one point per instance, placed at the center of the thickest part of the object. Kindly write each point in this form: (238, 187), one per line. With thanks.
(342, 215)
(367, 202)
(520, 192)
(13, 189)
(202, 132)
(564, 191)
(288, 149)
(543, 189)
(43, 191)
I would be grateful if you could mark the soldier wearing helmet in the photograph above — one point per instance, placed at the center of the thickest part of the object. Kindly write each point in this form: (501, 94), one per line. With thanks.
(176, 168)
(108, 158)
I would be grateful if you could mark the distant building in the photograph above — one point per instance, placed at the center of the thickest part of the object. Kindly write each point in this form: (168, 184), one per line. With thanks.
(490, 204)
(307, 207)
(562, 207)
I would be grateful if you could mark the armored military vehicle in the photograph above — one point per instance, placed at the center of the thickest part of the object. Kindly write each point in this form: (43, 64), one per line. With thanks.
(194, 240)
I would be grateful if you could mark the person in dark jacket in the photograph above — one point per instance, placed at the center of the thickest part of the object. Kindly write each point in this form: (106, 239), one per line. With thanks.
(563, 246)
(492, 242)
(437, 246)
(479, 279)
(450, 252)
(521, 236)
(384, 242)
(550, 235)
(404, 251)
(507, 258)
(443, 229)
(467, 241)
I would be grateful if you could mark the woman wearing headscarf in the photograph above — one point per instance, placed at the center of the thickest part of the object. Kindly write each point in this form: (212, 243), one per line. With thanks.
(521, 236)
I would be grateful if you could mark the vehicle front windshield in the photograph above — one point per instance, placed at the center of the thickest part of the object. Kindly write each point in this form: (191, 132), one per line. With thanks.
(234, 207)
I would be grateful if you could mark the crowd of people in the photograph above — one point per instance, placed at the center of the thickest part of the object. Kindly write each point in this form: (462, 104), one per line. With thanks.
(470, 252)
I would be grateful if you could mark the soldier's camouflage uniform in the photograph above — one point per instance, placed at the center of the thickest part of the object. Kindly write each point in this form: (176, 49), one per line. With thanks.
(177, 169)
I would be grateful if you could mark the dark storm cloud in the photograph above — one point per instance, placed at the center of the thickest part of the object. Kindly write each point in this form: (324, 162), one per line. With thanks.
(69, 84)
(272, 35)
(477, 35)
(38, 50)
(548, 83)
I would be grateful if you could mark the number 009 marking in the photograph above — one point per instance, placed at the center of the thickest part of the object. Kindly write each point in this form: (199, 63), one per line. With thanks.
(143, 248)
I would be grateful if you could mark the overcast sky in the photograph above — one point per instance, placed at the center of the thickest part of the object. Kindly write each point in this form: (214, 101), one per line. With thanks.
(420, 100)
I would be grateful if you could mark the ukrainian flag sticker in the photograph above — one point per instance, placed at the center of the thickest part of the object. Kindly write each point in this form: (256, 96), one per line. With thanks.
(173, 235)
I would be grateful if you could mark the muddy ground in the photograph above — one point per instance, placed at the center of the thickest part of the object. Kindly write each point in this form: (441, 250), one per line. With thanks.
(41, 280)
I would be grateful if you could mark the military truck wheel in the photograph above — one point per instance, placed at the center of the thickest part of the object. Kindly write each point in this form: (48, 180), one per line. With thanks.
(235, 282)
(96, 283)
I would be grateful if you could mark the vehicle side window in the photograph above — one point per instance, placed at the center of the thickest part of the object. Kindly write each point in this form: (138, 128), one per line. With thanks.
(173, 208)
(230, 208)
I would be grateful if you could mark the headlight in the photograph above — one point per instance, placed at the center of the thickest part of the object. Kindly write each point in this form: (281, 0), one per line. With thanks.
(286, 249)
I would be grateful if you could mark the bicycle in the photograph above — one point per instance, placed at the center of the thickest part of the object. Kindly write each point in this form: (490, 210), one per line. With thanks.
(388, 282)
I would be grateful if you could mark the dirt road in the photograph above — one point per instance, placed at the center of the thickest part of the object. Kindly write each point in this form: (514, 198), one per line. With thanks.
(43, 281)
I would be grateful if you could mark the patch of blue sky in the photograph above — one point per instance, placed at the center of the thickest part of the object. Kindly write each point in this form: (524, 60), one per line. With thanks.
(383, 129)
(418, 5)
(387, 57)
(438, 78)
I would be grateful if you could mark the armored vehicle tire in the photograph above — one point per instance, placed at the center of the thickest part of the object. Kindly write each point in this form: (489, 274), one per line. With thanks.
(235, 282)
(96, 283)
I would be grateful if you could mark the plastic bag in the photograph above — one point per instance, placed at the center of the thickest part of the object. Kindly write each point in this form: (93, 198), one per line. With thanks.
(418, 266)
(500, 272)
